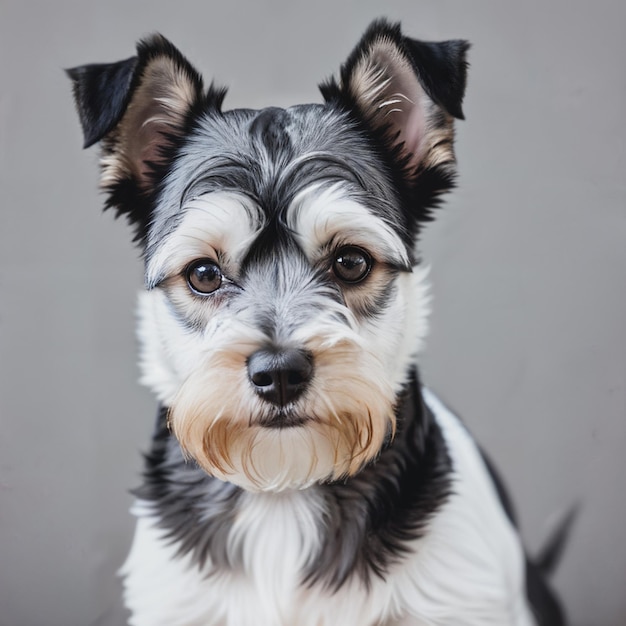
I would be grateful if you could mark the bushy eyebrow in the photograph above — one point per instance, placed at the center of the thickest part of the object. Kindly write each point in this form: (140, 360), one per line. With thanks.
(321, 215)
(214, 224)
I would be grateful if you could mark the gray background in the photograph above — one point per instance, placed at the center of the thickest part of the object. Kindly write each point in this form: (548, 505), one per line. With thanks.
(528, 338)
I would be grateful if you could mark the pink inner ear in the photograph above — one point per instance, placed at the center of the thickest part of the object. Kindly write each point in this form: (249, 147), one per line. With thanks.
(397, 100)
(146, 147)
(412, 117)
(157, 111)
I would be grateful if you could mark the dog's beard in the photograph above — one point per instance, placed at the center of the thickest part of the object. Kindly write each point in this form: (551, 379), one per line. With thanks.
(338, 425)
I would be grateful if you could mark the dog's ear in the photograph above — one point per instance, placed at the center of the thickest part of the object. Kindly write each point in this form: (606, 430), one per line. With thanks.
(138, 109)
(407, 92)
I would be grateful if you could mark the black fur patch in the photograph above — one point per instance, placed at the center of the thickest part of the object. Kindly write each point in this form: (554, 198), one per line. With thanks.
(95, 82)
(195, 510)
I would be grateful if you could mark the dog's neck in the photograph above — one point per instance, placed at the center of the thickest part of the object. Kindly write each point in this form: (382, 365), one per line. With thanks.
(378, 512)
(367, 520)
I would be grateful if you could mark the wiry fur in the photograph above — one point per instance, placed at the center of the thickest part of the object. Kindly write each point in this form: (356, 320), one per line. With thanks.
(352, 411)
(351, 497)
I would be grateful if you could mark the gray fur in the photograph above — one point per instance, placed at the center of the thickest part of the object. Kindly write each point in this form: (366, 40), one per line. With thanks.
(309, 144)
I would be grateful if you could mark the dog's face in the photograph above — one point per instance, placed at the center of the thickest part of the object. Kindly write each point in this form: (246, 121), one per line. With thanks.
(284, 301)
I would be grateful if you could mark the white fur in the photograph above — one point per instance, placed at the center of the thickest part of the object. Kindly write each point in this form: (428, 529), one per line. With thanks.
(162, 367)
(467, 570)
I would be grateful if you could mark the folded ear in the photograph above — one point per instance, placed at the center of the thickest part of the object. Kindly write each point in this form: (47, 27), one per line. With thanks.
(407, 92)
(139, 109)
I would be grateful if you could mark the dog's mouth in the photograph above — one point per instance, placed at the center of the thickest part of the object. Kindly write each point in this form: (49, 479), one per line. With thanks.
(284, 417)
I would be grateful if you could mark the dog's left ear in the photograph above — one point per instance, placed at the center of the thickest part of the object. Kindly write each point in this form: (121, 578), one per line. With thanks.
(407, 93)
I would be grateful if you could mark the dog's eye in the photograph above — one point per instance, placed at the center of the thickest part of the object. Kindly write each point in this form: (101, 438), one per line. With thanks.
(204, 276)
(352, 264)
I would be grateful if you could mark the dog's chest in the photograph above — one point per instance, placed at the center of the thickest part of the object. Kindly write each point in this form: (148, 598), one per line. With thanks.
(273, 539)
(453, 575)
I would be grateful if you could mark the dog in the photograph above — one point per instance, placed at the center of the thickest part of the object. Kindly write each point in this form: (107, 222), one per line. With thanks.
(300, 474)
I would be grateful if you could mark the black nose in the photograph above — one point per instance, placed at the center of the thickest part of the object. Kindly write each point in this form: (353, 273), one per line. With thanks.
(280, 376)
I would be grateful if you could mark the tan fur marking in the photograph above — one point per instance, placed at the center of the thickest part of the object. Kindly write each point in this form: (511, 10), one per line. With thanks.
(159, 105)
(348, 419)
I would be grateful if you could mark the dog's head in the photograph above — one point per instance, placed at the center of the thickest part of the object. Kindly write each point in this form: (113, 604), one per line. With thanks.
(284, 301)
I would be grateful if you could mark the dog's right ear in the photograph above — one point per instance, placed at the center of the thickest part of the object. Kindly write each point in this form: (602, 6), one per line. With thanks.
(138, 109)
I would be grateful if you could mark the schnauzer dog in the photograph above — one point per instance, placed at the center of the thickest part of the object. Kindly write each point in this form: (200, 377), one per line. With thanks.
(300, 475)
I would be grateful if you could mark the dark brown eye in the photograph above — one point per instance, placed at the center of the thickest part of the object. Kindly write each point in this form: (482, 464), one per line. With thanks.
(204, 276)
(352, 264)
